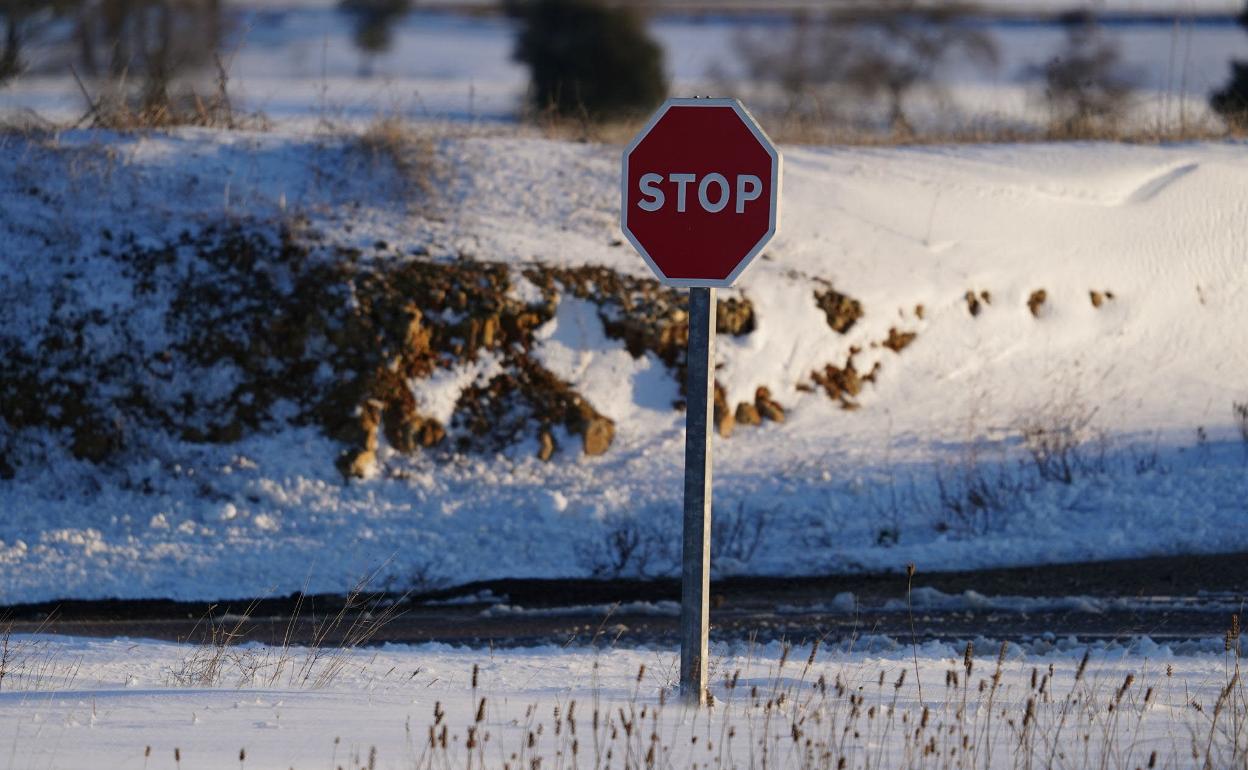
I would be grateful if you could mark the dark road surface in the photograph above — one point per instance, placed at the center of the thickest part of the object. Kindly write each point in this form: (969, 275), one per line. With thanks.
(1168, 598)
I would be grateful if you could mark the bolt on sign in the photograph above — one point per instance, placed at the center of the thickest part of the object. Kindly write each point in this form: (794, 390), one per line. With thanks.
(701, 191)
(700, 198)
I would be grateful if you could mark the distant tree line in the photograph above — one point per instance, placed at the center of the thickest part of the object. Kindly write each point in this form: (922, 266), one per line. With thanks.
(112, 38)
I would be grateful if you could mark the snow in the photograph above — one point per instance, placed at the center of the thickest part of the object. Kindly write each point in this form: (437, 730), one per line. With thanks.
(829, 490)
(79, 703)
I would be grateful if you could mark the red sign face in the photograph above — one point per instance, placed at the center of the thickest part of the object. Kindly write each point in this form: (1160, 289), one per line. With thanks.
(701, 192)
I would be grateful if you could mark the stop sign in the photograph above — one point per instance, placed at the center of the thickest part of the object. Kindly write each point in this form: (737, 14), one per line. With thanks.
(701, 190)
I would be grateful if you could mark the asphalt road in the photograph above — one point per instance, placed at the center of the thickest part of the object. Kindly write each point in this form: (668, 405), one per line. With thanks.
(1167, 598)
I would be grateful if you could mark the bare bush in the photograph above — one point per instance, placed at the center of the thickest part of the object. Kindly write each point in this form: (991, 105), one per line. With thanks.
(157, 103)
(1056, 438)
(629, 546)
(973, 493)
(877, 58)
(1086, 85)
(736, 535)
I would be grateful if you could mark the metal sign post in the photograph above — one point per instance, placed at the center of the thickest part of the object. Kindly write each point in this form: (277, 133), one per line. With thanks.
(699, 199)
(695, 570)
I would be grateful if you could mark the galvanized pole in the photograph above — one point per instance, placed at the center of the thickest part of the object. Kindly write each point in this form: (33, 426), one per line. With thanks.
(695, 573)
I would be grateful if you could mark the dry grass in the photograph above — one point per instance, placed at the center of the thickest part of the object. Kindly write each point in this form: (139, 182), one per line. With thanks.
(31, 664)
(221, 657)
(1007, 715)
(154, 104)
(411, 152)
(987, 130)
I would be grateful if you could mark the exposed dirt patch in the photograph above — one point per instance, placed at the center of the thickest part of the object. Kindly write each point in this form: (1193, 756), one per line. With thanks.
(844, 383)
(241, 328)
(842, 310)
(898, 341)
(255, 322)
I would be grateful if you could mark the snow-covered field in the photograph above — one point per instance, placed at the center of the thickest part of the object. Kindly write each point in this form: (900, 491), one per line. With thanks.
(933, 466)
(122, 703)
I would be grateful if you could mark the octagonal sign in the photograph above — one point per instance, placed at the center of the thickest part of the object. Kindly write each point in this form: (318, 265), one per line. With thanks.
(701, 192)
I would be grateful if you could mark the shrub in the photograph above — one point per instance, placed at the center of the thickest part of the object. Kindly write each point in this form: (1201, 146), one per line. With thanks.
(1055, 438)
(1232, 101)
(587, 59)
(1085, 85)
(374, 21)
(629, 545)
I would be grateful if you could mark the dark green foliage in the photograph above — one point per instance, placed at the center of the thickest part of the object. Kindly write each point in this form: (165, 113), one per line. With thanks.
(374, 21)
(1232, 101)
(587, 59)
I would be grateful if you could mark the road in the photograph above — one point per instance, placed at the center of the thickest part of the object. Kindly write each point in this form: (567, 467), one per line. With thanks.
(1166, 599)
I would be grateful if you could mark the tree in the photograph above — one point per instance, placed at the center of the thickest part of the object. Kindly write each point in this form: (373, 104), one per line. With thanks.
(374, 22)
(587, 58)
(1232, 101)
(882, 57)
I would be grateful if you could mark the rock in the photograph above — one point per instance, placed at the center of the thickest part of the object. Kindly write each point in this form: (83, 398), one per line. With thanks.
(546, 446)
(356, 463)
(402, 427)
(734, 316)
(489, 331)
(598, 435)
(747, 414)
(767, 407)
(897, 341)
(1036, 301)
(415, 335)
(431, 433)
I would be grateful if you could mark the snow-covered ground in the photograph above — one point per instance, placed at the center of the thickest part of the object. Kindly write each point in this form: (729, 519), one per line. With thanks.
(931, 468)
(872, 703)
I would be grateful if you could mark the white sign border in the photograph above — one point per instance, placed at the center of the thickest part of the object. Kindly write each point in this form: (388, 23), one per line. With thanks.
(776, 172)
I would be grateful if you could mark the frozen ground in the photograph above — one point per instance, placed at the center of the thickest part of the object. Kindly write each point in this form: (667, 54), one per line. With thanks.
(1142, 386)
(123, 703)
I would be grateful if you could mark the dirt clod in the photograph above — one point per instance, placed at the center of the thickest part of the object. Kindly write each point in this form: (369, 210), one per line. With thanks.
(767, 406)
(598, 434)
(841, 310)
(897, 341)
(1035, 303)
(747, 414)
(546, 446)
(1099, 298)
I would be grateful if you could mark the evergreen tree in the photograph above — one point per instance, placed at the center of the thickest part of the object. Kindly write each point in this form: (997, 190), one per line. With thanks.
(1232, 101)
(588, 58)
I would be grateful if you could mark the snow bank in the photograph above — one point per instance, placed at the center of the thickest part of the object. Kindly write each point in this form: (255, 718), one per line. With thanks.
(1131, 353)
